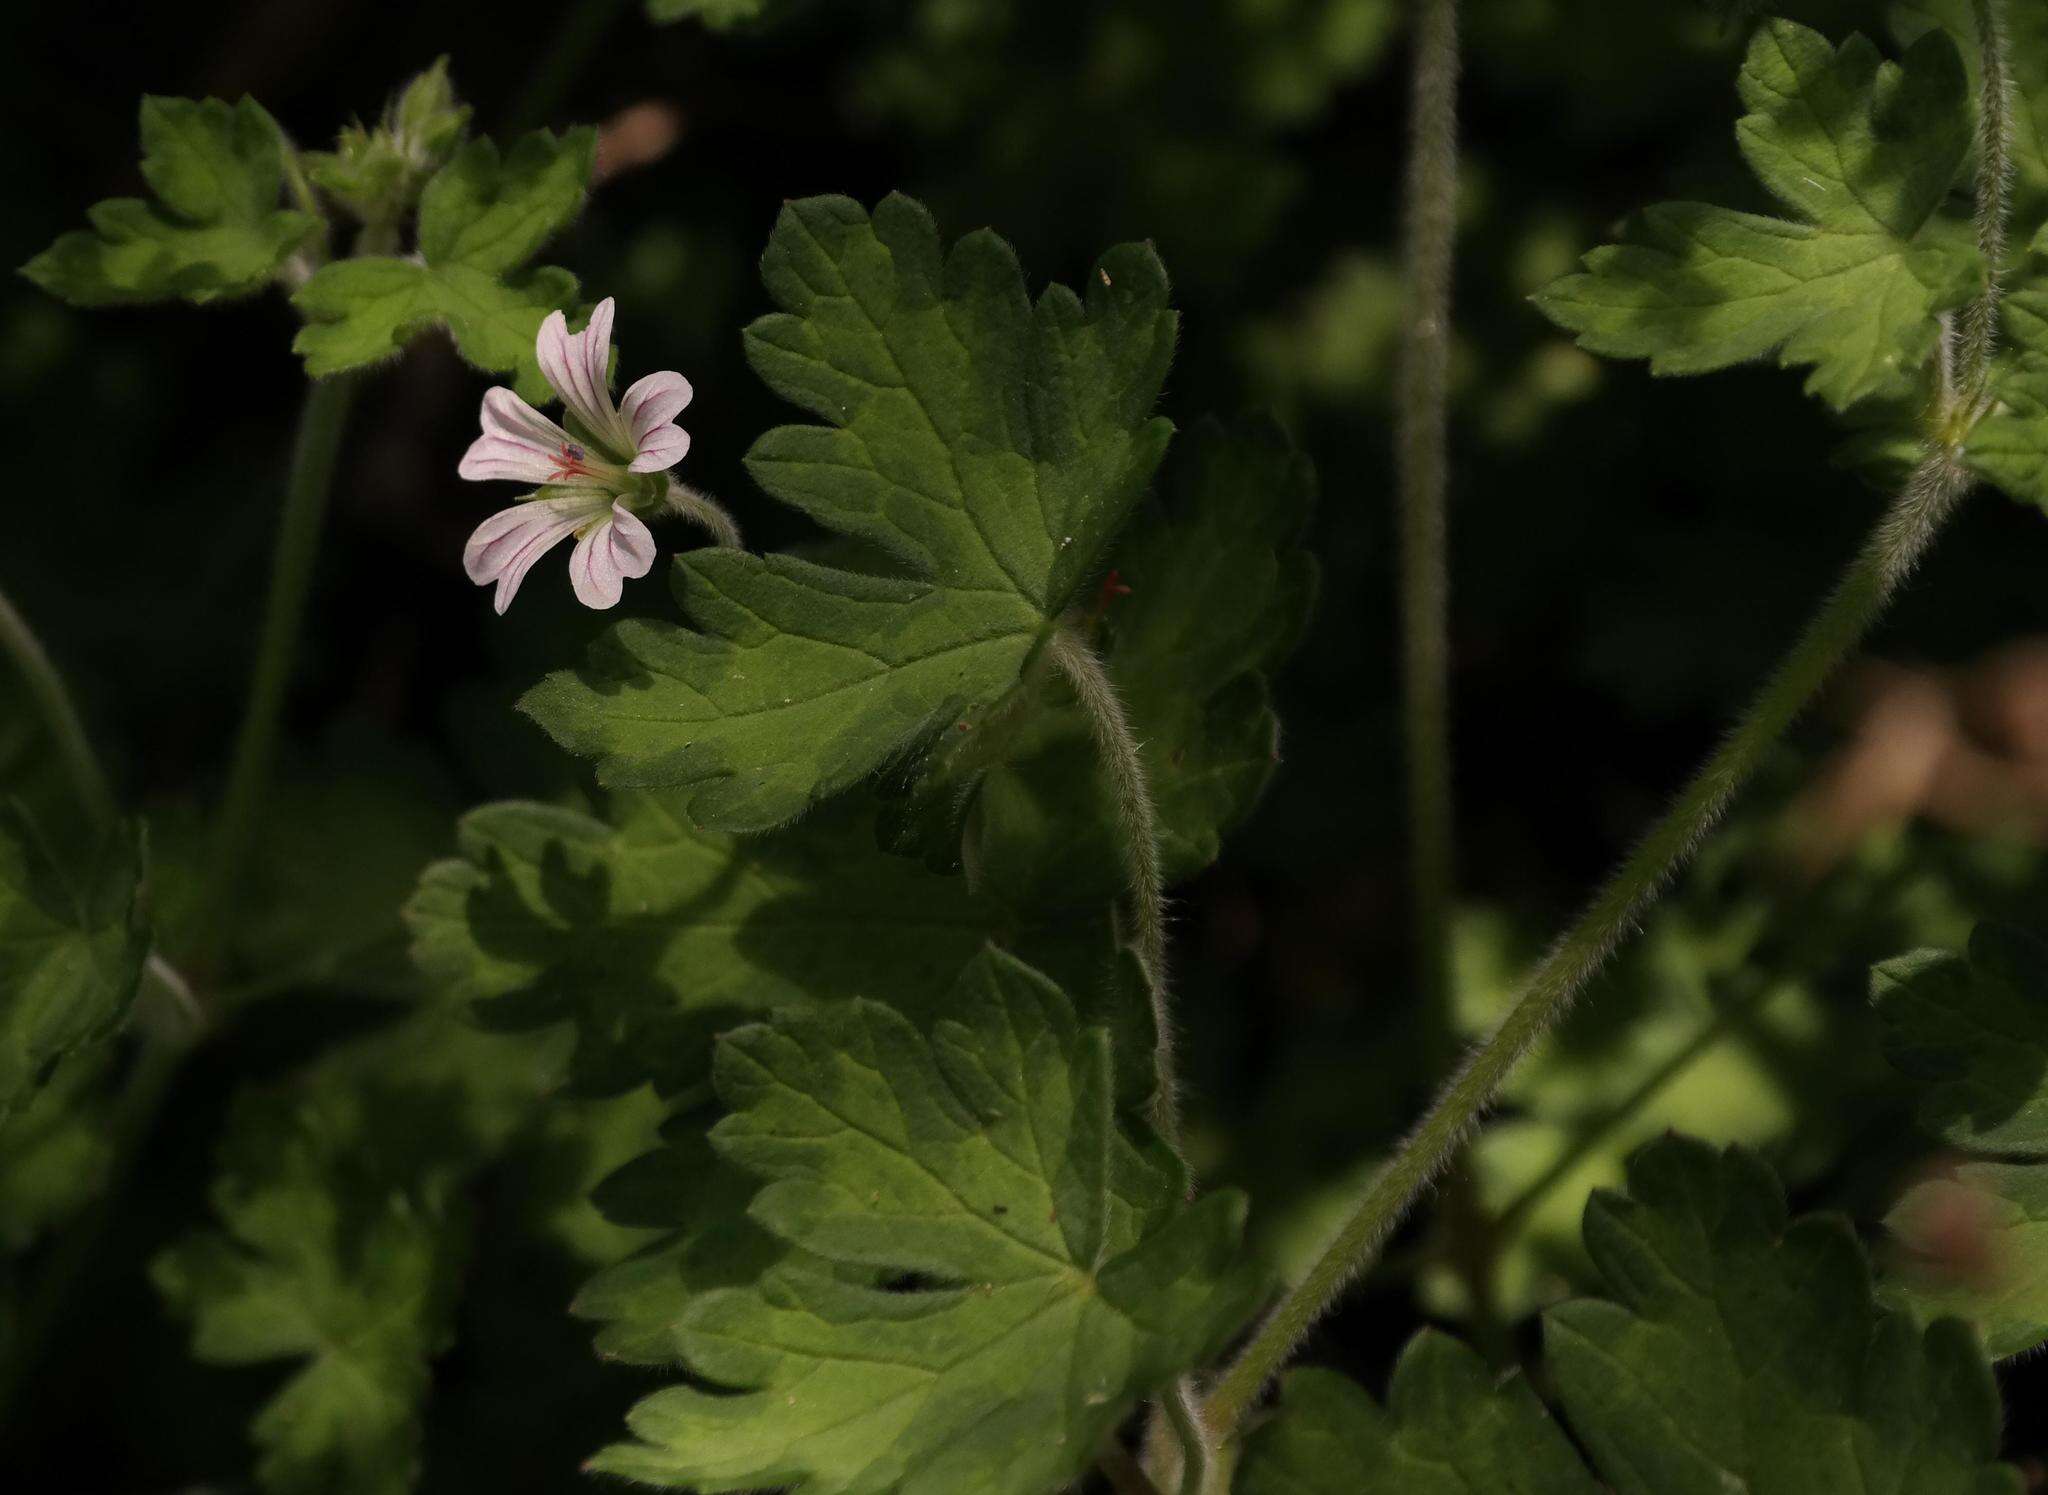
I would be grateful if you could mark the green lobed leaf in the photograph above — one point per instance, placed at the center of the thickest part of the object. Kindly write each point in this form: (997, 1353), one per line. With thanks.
(2026, 29)
(1863, 151)
(2010, 445)
(72, 944)
(989, 445)
(1212, 590)
(341, 1197)
(1746, 1351)
(1972, 1032)
(988, 1273)
(1449, 1428)
(654, 936)
(699, 1201)
(336, 1253)
(214, 228)
(481, 217)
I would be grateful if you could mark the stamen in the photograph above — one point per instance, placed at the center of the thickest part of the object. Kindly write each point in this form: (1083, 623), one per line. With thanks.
(570, 464)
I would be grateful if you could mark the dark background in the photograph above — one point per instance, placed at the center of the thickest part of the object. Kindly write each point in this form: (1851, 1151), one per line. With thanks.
(1629, 554)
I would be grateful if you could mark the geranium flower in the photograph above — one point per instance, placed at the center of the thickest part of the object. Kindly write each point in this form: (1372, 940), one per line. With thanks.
(594, 481)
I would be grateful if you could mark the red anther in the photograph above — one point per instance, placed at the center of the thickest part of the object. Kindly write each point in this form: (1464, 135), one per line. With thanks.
(570, 463)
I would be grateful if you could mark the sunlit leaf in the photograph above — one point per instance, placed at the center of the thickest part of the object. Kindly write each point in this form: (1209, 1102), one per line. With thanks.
(1863, 151)
(992, 447)
(988, 1270)
(214, 228)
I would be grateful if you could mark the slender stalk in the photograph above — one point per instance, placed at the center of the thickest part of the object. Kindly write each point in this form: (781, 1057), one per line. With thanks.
(1422, 463)
(59, 714)
(1994, 200)
(1139, 828)
(1184, 1411)
(1123, 1472)
(701, 508)
(314, 456)
(1887, 557)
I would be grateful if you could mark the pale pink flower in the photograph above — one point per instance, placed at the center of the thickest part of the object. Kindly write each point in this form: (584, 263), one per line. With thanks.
(590, 483)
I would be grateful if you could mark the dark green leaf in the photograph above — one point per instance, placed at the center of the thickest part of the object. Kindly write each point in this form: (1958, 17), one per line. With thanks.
(2027, 40)
(990, 446)
(1212, 591)
(343, 1224)
(989, 1271)
(1972, 1032)
(1449, 1428)
(72, 944)
(653, 936)
(1744, 1351)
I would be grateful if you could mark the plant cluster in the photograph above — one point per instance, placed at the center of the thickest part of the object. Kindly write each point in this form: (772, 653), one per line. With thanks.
(833, 1023)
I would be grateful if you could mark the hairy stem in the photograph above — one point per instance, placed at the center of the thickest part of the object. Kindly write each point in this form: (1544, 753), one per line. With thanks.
(1887, 557)
(60, 715)
(314, 456)
(1123, 1472)
(1183, 1406)
(1994, 201)
(1422, 464)
(1138, 833)
(701, 508)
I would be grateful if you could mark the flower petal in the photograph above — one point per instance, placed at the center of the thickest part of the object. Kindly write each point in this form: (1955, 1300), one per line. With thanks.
(653, 402)
(518, 442)
(620, 547)
(505, 546)
(575, 364)
(661, 448)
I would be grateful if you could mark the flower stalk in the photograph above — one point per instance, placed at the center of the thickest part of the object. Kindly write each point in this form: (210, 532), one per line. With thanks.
(1138, 827)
